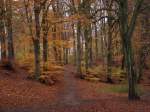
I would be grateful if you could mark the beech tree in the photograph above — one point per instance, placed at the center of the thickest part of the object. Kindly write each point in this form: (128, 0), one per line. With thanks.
(45, 28)
(9, 28)
(127, 28)
(35, 20)
(2, 31)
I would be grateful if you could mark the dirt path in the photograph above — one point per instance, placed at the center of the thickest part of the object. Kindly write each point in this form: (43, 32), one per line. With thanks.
(69, 94)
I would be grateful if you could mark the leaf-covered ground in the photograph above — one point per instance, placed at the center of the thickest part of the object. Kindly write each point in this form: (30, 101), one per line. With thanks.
(69, 94)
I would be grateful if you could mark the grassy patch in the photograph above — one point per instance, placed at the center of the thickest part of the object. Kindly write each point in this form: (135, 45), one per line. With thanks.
(119, 89)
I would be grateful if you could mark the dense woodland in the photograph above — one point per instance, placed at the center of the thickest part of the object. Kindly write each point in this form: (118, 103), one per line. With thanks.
(102, 41)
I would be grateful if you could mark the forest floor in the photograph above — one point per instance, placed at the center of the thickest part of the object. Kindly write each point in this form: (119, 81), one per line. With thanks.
(70, 94)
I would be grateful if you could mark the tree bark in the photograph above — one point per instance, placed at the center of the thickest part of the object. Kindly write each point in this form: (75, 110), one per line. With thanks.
(45, 28)
(36, 40)
(2, 31)
(79, 48)
(96, 43)
(10, 43)
(126, 30)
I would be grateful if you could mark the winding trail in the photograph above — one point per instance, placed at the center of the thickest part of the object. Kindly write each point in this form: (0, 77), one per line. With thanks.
(69, 94)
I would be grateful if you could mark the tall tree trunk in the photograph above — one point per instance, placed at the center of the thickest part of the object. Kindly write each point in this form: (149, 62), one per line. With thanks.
(3, 46)
(10, 43)
(109, 58)
(90, 48)
(79, 48)
(45, 28)
(37, 39)
(132, 76)
(126, 30)
(37, 58)
(109, 51)
(74, 46)
(45, 47)
(96, 43)
(2, 31)
(86, 36)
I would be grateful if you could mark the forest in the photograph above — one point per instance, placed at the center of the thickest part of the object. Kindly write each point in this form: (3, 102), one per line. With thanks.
(74, 56)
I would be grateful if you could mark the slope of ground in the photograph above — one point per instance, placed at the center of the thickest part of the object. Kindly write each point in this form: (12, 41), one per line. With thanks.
(17, 94)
